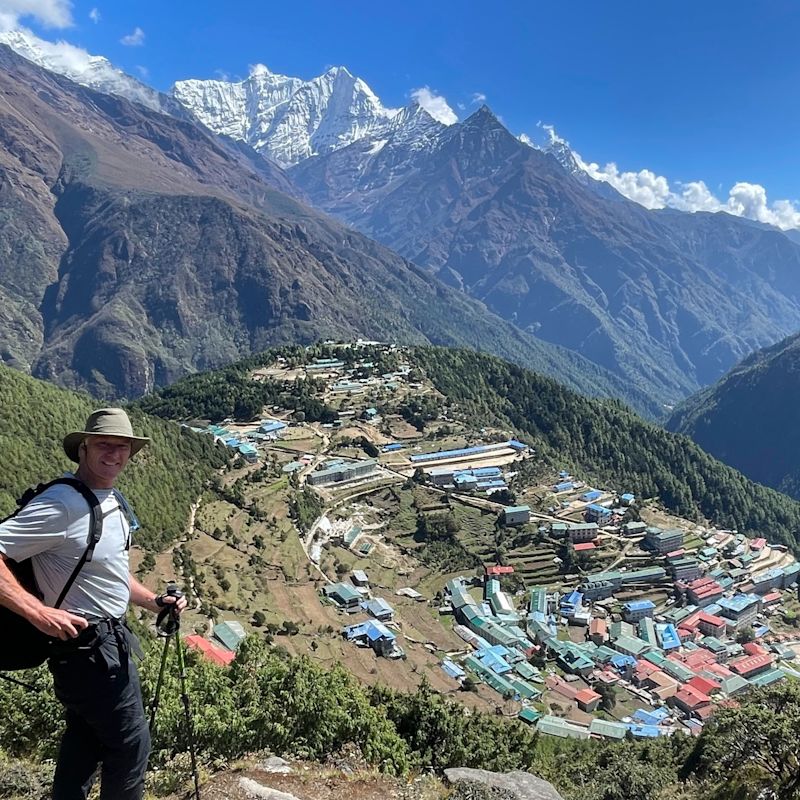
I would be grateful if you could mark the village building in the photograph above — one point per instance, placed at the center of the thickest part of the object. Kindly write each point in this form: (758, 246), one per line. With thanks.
(588, 700)
(741, 609)
(344, 595)
(582, 532)
(517, 515)
(663, 541)
(635, 610)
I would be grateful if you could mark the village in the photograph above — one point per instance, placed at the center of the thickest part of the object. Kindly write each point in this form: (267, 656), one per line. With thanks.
(594, 613)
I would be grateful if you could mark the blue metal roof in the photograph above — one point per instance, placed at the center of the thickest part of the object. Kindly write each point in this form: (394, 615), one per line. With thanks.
(465, 451)
(452, 669)
(644, 731)
(639, 605)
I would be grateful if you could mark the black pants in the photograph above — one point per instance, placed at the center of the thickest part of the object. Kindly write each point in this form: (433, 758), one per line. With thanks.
(96, 680)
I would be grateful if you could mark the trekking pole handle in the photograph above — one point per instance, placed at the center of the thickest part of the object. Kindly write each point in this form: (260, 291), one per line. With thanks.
(168, 621)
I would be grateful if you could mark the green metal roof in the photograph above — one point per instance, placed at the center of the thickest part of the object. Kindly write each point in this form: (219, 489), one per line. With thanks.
(611, 730)
(554, 726)
(529, 715)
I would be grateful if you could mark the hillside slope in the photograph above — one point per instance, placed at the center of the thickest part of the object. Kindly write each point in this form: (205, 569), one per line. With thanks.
(138, 248)
(749, 418)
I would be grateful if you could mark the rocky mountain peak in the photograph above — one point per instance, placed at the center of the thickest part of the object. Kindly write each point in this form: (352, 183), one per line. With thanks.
(284, 118)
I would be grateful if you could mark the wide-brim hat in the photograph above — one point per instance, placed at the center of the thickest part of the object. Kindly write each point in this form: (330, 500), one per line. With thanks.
(104, 422)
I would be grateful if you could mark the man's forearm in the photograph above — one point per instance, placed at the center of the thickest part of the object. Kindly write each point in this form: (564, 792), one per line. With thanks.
(142, 596)
(14, 596)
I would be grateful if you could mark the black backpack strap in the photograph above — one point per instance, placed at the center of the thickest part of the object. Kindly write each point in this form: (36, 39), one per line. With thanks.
(95, 523)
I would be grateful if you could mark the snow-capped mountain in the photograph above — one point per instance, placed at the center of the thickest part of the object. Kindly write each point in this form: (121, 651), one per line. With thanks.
(287, 119)
(96, 72)
(360, 173)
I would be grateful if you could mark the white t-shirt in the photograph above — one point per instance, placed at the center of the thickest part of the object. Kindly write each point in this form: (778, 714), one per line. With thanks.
(53, 530)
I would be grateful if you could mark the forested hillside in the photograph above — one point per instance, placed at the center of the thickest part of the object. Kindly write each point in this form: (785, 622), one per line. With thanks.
(608, 443)
(161, 482)
(749, 418)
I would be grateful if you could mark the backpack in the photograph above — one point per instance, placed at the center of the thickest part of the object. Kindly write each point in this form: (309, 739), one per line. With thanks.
(25, 646)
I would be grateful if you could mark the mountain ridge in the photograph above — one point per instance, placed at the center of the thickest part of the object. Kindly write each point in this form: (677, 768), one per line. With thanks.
(747, 418)
(626, 287)
(144, 247)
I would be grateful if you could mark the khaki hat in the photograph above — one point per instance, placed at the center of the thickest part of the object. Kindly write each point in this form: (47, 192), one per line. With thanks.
(104, 422)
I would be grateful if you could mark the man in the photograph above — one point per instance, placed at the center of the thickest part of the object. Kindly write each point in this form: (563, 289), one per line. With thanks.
(93, 674)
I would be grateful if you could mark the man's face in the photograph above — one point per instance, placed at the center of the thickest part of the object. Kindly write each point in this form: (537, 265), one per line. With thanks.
(103, 458)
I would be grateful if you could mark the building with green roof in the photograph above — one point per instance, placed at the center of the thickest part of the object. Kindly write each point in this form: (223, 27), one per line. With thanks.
(734, 685)
(607, 729)
(229, 634)
(529, 715)
(555, 726)
(631, 646)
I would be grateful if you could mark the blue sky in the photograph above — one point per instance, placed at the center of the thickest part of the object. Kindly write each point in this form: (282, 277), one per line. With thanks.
(678, 92)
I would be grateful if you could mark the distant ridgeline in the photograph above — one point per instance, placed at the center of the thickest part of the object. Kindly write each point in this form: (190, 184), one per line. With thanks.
(608, 443)
(600, 438)
(161, 482)
(749, 418)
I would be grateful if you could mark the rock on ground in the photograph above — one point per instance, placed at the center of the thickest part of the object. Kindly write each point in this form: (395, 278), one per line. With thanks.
(505, 786)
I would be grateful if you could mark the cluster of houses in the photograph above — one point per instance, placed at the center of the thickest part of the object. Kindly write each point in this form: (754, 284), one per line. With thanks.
(452, 469)
(373, 632)
(343, 380)
(246, 444)
(682, 661)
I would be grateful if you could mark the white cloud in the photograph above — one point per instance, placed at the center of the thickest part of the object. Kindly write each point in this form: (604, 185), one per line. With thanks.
(94, 15)
(744, 199)
(435, 105)
(478, 97)
(51, 13)
(133, 39)
(143, 71)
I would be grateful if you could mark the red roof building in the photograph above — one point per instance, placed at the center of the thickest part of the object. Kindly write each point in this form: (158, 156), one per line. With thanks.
(497, 569)
(770, 599)
(751, 665)
(689, 699)
(707, 624)
(717, 671)
(698, 659)
(216, 655)
(758, 544)
(582, 547)
(588, 700)
(704, 685)
(703, 591)
(753, 649)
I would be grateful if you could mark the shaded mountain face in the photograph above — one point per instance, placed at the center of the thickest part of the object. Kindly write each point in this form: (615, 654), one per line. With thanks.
(137, 247)
(666, 300)
(749, 418)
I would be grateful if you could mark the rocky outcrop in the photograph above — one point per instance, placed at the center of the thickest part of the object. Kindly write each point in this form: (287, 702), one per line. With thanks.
(500, 785)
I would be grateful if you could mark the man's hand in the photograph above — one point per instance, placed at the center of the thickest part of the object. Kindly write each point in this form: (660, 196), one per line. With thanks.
(176, 604)
(56, 623)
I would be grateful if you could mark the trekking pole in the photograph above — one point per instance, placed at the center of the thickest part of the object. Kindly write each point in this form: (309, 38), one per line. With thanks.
(168, 625)
(188, 714)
